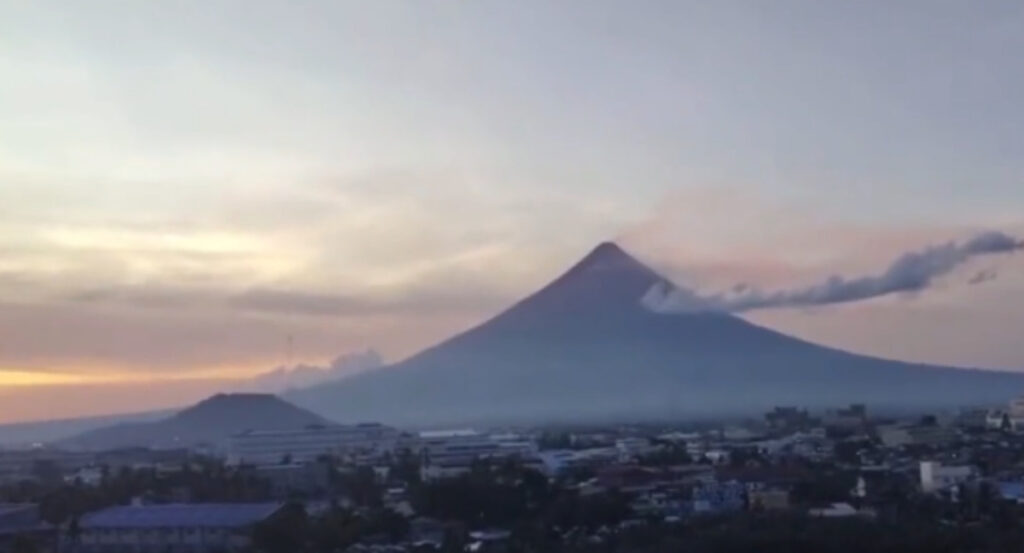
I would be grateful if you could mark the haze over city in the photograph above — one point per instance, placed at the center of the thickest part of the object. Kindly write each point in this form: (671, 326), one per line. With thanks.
(193, 194)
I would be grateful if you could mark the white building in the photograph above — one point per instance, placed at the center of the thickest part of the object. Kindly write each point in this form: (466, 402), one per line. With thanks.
(631, 448)
(448, 453)
(936, 477)
(515, 445)
(717, 456)
(456, 447)
(87, 476)
(192, 528)
(267, 447)
(994, 419)
(1016, 413)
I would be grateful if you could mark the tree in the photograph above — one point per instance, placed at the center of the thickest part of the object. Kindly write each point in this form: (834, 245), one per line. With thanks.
(362, 486)
(406, 467)
(23, 543)
(284, 532)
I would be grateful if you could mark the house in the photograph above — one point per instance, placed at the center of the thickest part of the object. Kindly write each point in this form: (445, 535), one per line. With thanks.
(997, 420)
(767, 499)
(427, 531)
(717, 456)
(438, 471)
(788, 419)
(1011, 491)
(835, 510)
(659, 504)
(719, 497)
(850, 418)
(91, 476)
(308, 478)
(919, 434)
(937, 477)
(631, 448)
(192, 528)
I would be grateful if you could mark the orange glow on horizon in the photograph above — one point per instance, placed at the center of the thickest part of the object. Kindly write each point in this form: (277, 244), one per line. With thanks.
(25, 377)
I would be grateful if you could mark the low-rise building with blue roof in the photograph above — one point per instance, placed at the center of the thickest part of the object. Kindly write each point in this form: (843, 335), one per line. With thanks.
(178, 528)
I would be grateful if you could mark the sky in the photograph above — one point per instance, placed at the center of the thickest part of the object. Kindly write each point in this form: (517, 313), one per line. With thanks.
(185, 185)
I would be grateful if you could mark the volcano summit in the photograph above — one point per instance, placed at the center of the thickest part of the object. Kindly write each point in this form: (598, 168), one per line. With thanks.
(585, 347)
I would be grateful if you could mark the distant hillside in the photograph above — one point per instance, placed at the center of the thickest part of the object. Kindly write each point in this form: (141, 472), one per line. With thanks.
(585, 348)
(209, 421)
(21, 433)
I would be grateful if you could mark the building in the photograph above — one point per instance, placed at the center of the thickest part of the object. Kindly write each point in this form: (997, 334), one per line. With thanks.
(719, 497)
(515, 445)
(456, 447)
(937, 477)
(86, 476)
(449, 453)
(634, 447)
(1015, 413)
(185, 528)
(266, 447)
(718, 456)
(760, 498)
(310, 479)
(788, 419)
(22, 519)
(836, 510)
(1011, 491)
(921, 434)
(853, 417)
(554, 462)
(997, 420)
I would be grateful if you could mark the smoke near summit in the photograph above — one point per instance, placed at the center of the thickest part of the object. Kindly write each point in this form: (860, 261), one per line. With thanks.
(910, 272)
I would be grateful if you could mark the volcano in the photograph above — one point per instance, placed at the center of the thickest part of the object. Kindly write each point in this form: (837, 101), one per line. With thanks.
(585, 348)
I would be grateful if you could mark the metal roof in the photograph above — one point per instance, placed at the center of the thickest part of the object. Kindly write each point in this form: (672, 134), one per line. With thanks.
(182, 515)
(8, 508)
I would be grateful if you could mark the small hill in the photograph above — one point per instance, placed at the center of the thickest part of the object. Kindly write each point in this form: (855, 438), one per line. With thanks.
(584, 348)
(210, 421)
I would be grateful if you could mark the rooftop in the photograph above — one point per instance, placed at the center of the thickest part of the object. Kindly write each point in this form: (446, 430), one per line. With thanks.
(456, 433)
(8, 508)
(209, 515)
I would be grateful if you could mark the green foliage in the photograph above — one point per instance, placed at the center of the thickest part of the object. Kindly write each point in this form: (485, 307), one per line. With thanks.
(487, 495)
(406, 468)
(285, 532)
(362, 487)
(24, 544)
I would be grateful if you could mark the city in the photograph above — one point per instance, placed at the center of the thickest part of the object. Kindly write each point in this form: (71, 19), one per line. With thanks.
(944, 478)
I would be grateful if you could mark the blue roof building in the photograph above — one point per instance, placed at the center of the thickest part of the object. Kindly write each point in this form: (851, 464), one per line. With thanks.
(179, 528)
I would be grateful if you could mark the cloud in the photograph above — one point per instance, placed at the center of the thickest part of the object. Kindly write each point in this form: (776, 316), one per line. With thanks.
(282, 379)
(283, 301)
(911, 272)
(983, 276)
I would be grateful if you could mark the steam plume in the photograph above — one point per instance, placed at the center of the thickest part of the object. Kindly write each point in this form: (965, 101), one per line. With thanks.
(910, 272)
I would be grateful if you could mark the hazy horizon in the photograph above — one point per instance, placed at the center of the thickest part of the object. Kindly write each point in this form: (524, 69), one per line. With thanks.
(194, 194)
